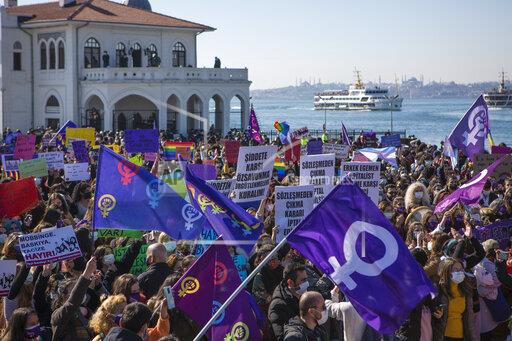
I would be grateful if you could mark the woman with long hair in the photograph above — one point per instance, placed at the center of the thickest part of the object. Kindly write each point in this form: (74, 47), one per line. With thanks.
(107, 316)
(127, 285)
(23, 326)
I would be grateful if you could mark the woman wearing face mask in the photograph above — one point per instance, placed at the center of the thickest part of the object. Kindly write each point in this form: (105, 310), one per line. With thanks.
(23, 326)
(455, 299)
(127, 285)
(107, 316)
(416, 196)
(81, 198)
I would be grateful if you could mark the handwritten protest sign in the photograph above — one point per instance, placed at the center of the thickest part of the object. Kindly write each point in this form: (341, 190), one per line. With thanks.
(25, 147)
(390, 140)
(7, 274)
(224, 186)
(366, 175)
(318, 170)
(314, 147)
(141, 141)
(139, 265)
(299, 133)
(501, 231)
(253, 172)
(35, 167)
(80, 151)
(231, 149)
(503, 170)
(76, 172)
(293, 203)
(50, 246)
(86, 134)
(54, 160)
(340, 150)
(115, 233)
(17, 197)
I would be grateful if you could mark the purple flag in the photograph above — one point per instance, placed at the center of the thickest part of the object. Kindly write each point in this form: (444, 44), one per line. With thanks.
(470, 192)
(470, 133)
(203, 289)
(344, 135)
(80, 150)
(254, 127)
(382, 281)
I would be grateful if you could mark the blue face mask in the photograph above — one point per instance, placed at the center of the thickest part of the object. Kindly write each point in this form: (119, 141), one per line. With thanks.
(33, 332)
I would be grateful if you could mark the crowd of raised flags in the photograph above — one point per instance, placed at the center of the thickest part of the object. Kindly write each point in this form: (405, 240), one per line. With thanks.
(392, 239)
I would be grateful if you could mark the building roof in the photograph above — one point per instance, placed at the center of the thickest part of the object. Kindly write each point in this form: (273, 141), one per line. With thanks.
(102, 11)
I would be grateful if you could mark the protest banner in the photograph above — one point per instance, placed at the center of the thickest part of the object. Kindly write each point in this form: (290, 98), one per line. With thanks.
(116, 233)
(141, 140)
(34, 167)
(76, 172)
(54, 160)
(7, 274)
(501, 231)
(137, 159)
(80, 151)
(299, 133)
(339, 150)
(292, 204)
(25, 147)
(172, 149)
(253, 173)
(139, 265)
(292, 151)
(50, 246)
(17, 197)
(390, 140)
(314, 147)
(9, 164)
(231, 150)
(86, 134)
(483, 161)
(150, 156)
(501, 150)
(366, 175)
(207, 235)
(224, 186)
(318, 170)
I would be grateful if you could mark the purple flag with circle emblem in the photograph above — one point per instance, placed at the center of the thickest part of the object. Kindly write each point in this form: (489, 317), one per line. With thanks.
(254, 128)
(131, 198)
(470, 133)
(203, 289)
(348, 238)
(470, 192)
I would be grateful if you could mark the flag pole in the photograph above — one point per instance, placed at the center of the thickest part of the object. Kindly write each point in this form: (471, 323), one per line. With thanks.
(239, 289)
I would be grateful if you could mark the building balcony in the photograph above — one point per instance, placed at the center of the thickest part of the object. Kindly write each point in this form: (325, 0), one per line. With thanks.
(162, 74)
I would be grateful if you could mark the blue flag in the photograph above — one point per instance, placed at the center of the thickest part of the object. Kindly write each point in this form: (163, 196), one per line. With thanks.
(60, 137)
(129, 197)
(344, 135)
(348, 238)
(227, 218)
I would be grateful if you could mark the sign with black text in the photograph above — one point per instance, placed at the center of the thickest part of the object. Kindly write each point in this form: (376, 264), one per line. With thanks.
(318, 170)
(366, 175)
(292, 204)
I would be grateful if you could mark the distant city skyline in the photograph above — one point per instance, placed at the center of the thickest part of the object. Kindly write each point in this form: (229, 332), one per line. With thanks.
(282, 41)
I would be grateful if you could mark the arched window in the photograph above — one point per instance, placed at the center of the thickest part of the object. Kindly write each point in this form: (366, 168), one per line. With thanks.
(43, 56)
(62, 55)
(52, 105)
(153, 49)
(121, 60)
(16, 56)
(137, 55)
(52, 55)
(92, 53)
(179, 55)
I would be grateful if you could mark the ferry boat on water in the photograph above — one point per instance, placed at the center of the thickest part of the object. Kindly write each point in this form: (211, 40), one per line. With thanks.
(357, 97)
(500, 97)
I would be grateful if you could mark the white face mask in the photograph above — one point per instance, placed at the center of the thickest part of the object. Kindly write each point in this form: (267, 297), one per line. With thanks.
(303, 287)
(109, 259)
(428, 162)
(458, 276)
(429, 246)
(418, 195)
(388, 214)
(324, 317)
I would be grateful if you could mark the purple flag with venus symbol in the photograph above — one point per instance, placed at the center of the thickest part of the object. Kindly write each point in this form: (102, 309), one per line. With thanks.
(131, 198)
(203, 289)
(378, 276)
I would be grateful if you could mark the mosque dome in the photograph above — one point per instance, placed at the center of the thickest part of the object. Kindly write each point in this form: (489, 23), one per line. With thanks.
(141, 4)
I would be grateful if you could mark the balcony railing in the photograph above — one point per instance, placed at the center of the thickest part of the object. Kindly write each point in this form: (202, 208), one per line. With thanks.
(112, 74)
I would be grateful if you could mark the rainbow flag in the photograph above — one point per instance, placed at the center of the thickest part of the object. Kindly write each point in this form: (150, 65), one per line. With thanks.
(11, 174)
(281, 168)
(172, 149)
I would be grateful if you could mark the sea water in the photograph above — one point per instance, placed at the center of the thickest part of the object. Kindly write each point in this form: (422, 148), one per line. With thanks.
(429, 119)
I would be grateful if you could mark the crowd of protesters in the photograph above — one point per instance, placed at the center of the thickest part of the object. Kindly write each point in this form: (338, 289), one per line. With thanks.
(95, 297)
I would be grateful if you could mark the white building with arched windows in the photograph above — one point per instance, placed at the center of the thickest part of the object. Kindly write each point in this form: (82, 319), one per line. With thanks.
(113, 66)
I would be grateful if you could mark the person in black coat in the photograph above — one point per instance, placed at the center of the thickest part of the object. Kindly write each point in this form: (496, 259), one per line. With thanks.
(158, 270)
(309, 325)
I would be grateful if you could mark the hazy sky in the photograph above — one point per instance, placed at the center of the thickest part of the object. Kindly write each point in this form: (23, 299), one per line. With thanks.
(284, 40)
